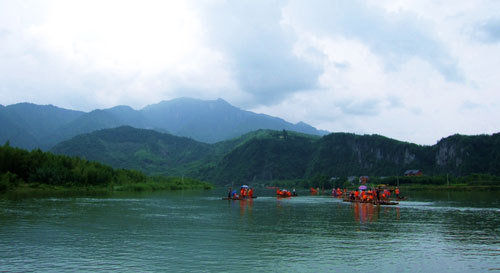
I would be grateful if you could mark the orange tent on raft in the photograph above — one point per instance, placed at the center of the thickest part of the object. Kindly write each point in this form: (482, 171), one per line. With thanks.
(283, 193)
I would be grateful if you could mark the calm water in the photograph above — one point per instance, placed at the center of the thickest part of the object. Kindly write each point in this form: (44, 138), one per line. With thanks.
(196, 231)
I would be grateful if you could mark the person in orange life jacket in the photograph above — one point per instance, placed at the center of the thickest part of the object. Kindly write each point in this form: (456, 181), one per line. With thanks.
(396, 191)
(250, 193)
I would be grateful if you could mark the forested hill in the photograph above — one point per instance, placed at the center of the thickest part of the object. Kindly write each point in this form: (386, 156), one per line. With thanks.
(28, 125)
(268, 155)
(24, 171)
(131, 148)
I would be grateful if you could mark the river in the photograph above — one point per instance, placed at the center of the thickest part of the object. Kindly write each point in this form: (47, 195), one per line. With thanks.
(198, 232)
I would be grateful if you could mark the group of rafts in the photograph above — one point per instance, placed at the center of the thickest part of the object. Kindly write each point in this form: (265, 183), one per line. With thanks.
(245, 193)
(376, 196)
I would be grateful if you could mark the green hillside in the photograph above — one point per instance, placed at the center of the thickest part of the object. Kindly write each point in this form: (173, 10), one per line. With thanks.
(130, 148)
(24, 171)
(346, 154)
(266, 155)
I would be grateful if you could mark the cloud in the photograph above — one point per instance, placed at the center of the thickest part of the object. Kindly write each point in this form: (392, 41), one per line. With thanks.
(89, 54)
(411, 70)
(489, 31)
(260, 49)
(367, 107)
(469, 105)
(396, 37)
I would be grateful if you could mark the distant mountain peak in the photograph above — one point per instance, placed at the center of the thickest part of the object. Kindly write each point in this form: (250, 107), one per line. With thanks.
(208, 121)
(219, 100)
(122, 108)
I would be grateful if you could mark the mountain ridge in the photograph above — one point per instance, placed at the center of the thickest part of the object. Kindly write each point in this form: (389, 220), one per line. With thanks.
(207, 121)
(265, 155)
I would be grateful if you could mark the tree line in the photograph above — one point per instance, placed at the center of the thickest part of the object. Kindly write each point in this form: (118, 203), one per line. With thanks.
(18, 166)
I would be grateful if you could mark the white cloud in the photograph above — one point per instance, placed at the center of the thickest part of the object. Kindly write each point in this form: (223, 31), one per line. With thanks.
(415, 70)
(112, 52)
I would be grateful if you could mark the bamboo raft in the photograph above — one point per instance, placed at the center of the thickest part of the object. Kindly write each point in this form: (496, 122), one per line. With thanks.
(227, 198)
(384, 203)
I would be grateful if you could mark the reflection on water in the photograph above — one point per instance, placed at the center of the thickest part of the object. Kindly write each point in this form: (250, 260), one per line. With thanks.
(364, 212)
(189, 232)
(245, 206)
(367, 212)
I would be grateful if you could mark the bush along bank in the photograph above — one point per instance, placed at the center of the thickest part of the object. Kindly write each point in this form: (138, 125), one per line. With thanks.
(37, 171)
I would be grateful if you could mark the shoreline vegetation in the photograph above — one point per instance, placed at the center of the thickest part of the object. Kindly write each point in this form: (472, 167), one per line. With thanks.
(26, 173)
(481, 182)
(38, 173)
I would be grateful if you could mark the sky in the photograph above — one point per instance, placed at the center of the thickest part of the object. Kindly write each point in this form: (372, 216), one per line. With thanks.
(415, 71)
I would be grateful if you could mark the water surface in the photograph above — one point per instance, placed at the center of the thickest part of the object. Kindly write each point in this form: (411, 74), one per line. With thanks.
(196, 231)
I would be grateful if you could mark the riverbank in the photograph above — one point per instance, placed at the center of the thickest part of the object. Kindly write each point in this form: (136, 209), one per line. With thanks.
(24, 190)
(456, 187)
(472, 182)
(34, 173)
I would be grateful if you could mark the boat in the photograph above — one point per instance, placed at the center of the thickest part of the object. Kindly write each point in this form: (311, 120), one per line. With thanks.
(285, 193)
(227, 198)
(285, 196)
(385, 203)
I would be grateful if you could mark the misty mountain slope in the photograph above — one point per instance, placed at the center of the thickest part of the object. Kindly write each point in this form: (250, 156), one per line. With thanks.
(13, 133)
(212, 121)
(31, 124)
(205, 121)
(41, 120)
(89, 122)
(128, 116)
